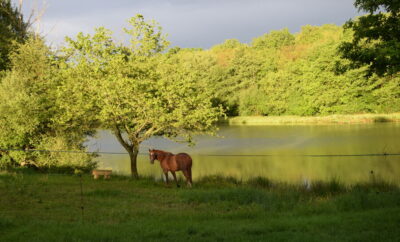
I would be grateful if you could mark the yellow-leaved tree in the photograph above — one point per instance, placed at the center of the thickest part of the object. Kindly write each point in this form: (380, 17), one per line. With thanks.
(135, 90)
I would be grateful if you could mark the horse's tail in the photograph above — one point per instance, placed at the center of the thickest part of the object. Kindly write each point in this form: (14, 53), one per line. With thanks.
(189, 170)
(186, 162)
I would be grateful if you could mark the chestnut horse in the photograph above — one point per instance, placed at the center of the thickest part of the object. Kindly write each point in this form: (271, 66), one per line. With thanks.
(172, 163)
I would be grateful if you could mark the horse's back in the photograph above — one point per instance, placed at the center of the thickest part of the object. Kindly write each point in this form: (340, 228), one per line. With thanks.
(184, 161)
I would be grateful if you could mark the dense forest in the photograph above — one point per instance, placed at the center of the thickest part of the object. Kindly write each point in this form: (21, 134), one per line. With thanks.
(281, 73)
(54, 99)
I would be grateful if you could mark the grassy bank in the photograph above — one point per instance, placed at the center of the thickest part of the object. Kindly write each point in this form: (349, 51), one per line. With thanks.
(47, 207)
(331, 119)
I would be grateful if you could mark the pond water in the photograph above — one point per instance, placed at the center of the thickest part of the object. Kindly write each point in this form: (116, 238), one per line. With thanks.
(287, 153)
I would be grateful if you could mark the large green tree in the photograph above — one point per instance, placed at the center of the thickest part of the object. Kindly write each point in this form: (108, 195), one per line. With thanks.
(376, 40)
(29, 111)
(134, 90)
(13, 27)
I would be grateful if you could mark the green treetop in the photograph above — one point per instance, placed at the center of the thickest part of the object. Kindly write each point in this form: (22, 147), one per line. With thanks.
(376, 40)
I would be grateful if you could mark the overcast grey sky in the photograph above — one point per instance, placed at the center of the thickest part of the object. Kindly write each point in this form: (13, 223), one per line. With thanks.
(191, 23)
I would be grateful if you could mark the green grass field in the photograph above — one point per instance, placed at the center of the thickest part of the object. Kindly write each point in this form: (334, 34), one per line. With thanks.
(47, 207)
(329, 119)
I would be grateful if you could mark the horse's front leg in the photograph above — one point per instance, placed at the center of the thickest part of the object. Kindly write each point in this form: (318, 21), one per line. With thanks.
(166, 177)
(173, 174)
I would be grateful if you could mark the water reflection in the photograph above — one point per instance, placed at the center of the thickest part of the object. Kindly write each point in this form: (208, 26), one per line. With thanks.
(277, 152)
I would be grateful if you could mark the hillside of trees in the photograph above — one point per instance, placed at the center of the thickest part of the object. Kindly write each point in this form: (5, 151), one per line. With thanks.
(281, 73)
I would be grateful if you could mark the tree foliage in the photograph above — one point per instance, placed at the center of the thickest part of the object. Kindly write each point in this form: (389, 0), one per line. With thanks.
(28, 112)
(134, 91)
(274, 39)
(13, 27)
(298, 77)
(376, 38)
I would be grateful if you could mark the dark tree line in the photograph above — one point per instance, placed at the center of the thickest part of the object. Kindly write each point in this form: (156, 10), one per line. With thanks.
(13, 28)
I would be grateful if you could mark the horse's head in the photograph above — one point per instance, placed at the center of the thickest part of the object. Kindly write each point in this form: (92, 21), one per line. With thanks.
(153, 156)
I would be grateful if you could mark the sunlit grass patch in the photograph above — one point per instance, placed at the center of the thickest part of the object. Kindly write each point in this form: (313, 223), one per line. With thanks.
(329, 119)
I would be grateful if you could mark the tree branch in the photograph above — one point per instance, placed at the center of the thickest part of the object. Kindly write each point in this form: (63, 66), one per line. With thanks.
(121, 140)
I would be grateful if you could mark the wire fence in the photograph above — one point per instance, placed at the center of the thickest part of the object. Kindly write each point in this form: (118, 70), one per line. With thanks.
(216, 155)
(83, 203)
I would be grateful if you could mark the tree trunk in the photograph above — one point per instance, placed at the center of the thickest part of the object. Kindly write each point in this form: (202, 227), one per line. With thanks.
(133, 153)
(132, 148)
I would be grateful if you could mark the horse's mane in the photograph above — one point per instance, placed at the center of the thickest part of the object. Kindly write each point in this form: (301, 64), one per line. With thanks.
(162, 151)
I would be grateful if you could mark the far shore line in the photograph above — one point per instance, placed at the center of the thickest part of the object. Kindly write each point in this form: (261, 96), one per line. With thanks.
(298, 120)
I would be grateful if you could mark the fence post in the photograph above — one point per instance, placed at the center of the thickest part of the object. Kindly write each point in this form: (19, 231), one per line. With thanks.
(82, 207)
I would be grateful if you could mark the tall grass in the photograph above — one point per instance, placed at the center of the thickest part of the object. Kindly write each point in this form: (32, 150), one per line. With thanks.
(47, 207)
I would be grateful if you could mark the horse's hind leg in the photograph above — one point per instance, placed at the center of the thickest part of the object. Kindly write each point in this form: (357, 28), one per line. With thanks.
(188, 175)
(173, 174)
